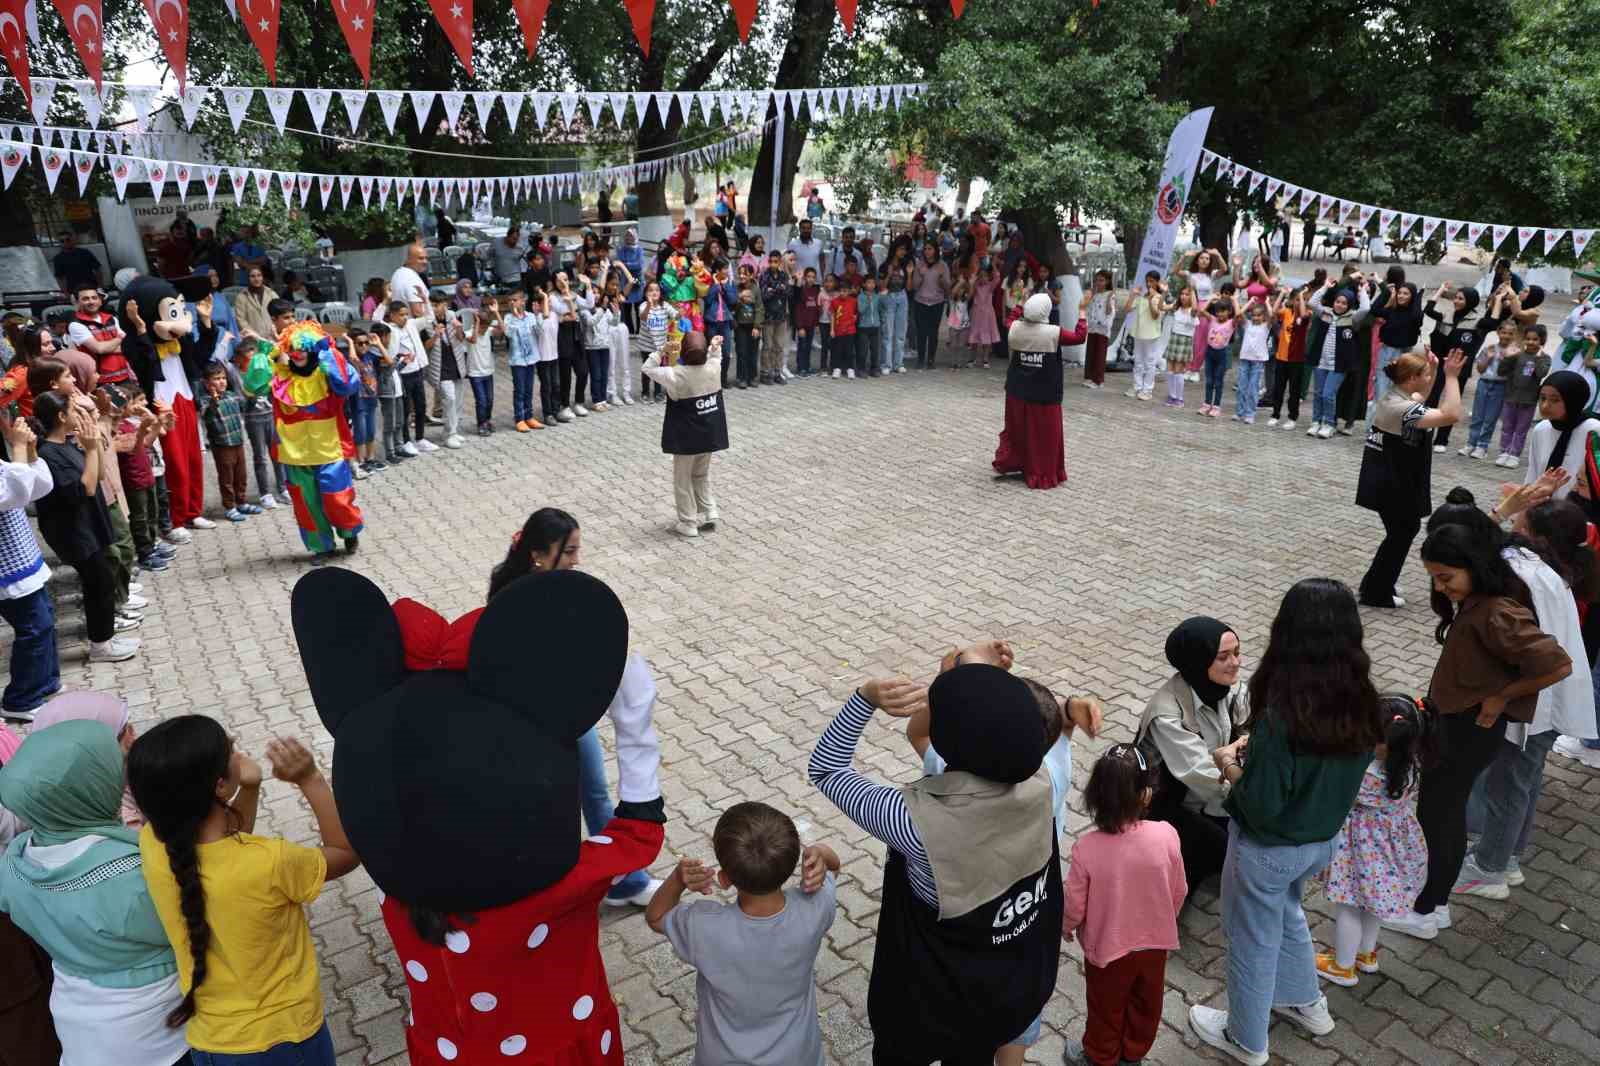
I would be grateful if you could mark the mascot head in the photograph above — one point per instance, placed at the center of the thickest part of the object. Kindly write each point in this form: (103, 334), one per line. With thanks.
(455, 744)
(304, 343)
(160, 305)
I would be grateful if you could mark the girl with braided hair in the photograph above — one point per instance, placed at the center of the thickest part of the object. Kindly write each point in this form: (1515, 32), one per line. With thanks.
(232, 903)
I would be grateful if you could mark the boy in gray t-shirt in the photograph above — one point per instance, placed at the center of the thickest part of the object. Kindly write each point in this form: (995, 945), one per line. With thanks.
(757, 957)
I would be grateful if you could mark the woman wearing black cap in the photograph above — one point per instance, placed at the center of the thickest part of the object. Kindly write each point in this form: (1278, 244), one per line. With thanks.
(969, 936)
(1199, 709)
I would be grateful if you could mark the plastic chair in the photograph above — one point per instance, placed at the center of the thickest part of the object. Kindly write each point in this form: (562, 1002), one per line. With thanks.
(454, 252)
(337, 314)
(305, 314)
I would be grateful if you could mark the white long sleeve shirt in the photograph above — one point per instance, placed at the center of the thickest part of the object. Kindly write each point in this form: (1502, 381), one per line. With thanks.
(22, 568)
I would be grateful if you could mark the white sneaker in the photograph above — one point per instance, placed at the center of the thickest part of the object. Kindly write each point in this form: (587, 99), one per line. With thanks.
(1438, 449)
(784, 372)
(178, 535)
(1316, 427)
(1211, 1026)
(427, 446)
(850, 374)
(1473, 880)
(640, 898)
(1421, 926)
(1325, 432)
(1192, 375)
(580, 410)
(114, 650)
(1088, 384)
(1249, 420)
(836, 374)
(134, 588)
(627, 401)
(1479, 453)
(686, 529)
(1132, 394)
(356, 472)
(1508, 460)
(269, 502)
(1441, 916)
(899, 370)
(409, 449)
(1313, 1018)
(1272, 422)
(1514, 875)
(1465, 449)
(601, 406)
(453, 441)
(133, 602)
(201, 522)
(1144, 396)
(124, 622)
(1572, 748)
(1287, 423)
(566, 415)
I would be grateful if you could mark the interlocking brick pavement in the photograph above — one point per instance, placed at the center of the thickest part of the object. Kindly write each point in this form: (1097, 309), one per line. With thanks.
(862, 533)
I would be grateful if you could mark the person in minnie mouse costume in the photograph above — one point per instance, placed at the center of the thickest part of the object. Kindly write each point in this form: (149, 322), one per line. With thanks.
(165, 358)
(467, 821)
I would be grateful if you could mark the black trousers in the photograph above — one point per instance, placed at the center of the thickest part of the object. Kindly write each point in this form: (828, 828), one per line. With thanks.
(926, 319)
(1442, 434)
(574, 364)
(1202, 838)
(1464, 750)
(1400, 528)
(549, 388)
(416, 404)
(99, 583)
(744, 346)
(1287, 382)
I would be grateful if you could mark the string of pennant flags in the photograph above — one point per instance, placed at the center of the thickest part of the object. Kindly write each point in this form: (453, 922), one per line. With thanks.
(259, 18)
(508, 189)
(1336, 210)
(734, 105)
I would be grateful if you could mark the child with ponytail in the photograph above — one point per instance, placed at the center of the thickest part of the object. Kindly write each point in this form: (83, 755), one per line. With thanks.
(1380, 858)
(231, 902)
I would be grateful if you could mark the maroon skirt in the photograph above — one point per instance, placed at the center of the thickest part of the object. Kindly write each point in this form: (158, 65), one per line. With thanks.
(1032, 443)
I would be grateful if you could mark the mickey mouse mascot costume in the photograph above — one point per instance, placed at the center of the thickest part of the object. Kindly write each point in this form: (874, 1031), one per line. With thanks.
(460, 792)
(165, 359)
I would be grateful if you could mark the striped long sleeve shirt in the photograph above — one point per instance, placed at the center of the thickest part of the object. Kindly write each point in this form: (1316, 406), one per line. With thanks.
(879, 809)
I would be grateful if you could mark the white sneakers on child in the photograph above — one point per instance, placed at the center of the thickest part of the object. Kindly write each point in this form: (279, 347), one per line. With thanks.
(1316, 427)
(201, 522)
(454, 441)
(1507, 460)
(114, 650)
(1421, 926)
(269, 502)
(1287, 423)
(1211, 1026)
(1325, 431)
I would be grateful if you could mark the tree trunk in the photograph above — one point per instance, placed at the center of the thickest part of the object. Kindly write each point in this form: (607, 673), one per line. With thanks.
(16, 218)
(1041, 236)
(801, 64)
(689, 190)
(963, 194)
(659, 133)
(1215, 227)
(1132, 244)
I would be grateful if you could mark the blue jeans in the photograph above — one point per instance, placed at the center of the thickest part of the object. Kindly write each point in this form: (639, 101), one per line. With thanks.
(483, 398)
(1325, 395)
(597, 806)
(1247, 383)
(1216, 371)
(35, 669)
(1380, 382)
(1486, 405)
(1271, 960)
(599, 373)
(365, 419)
(896, 310)
(1505, 799)
(522, 392)
(317, 1050)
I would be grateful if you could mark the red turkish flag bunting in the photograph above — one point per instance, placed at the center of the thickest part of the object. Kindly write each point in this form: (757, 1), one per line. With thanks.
(744, 14)
(14, 42)
(83, 26)
(958, 6)
(260, 18)
(847, 14)
(355, 18)
(531, 14)
(455, 18)
(642, 13)
(170, 18)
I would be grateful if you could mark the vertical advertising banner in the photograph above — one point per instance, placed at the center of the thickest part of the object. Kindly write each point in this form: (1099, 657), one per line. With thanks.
(1172, 193)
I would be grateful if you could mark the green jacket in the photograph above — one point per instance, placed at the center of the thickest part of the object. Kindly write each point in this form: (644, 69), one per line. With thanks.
(1290, 798)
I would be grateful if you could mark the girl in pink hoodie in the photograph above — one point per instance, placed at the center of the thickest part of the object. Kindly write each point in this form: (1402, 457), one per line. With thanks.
(1124, 890)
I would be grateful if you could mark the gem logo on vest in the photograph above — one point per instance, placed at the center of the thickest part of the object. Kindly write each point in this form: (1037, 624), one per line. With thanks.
(706, 404)
(1031, 360)
(1024, 908)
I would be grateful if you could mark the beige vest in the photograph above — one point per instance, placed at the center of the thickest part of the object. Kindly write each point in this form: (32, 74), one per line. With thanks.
(981, 837)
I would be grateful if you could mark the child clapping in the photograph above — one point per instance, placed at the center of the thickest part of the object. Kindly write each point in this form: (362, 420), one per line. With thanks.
(757, 957)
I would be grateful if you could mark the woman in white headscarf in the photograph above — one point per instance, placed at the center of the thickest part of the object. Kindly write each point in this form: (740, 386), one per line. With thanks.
(1031, 442)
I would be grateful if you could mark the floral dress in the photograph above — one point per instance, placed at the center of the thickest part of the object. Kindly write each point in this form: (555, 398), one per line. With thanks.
(1380, 859)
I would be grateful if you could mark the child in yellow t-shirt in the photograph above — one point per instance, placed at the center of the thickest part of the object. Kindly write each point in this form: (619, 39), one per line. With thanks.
(232, 903)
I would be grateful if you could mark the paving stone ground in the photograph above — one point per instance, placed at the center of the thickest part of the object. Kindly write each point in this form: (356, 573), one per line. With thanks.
(863, 535)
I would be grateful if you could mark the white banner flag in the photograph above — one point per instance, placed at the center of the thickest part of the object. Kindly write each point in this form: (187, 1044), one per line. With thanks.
(121, 171)
(569, 108)
(1524, 235)
(278, 102)
(1453, 228)
(1406, 222)
(302, 185)
(286, 188)
(1430, 226)
(1364, 217)
(241, 181)
(212, 177)
(317, 101)
(512, 102)
(237, 101)
(263, 183)
(1580, 241)
(83, 165)
(483, 104)
(366, 189)
(191, 100)
(1500, 233)
(541, 108)
(93, 105)
(325, 189)
(422, 107)
(157, 175)
(453, 102)
(346, 183)
(389, 104)
(1386, 219)
(355, 101)
(180, 177)
(54, 160)
(1172, 191)
(1552, 237)
(1475, 231)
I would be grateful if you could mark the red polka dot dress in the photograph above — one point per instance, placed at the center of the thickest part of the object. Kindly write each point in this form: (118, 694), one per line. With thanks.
(524, 983)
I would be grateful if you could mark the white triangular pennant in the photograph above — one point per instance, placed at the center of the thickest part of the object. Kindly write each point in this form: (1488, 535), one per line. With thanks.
(541, 108)
(180, 177)
(663, 106)
(596, 105)
(237, 100)
(1500, 234)
(286, 187)
(483, 104)
(706, 102)
(325, 190)
(263, 183)
(278, 101)
(726, 100)
(366, 189)
(83, 166)
(512, 102)
(641, 107)
(93, 105)
(1552, 237)
(355, 101)
(54, 161)
(1273, 185)
(1453, 228)
(453, 101)
(191, 100)
(685, 104)
(858, 96)
(619, 109)
(436, 190)
(121, 171)
(156, 174)
(389, 104)
(1524, 235)
(139, 96)
(211, 177)
(569, 108)
(346, 183)
(240, 177)
(1475, 231)
(1257, 180)
(1580, 241)
(44, 90)
(422, 106)
(1406, 222)
(1430, 226)
(814, 104)
(1386, 219)
(302, 185)
(1365, 216)
(317, 101)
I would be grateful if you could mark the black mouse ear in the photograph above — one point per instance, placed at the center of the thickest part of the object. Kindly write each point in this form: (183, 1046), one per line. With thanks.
(349, 641)
(551, 646)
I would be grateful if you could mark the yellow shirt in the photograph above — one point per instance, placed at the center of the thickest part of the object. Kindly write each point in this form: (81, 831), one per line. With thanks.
(261, 985)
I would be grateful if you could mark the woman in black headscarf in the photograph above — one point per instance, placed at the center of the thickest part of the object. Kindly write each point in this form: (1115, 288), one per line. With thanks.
(1562, 438)
(1465, 329)
(1199, 709)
